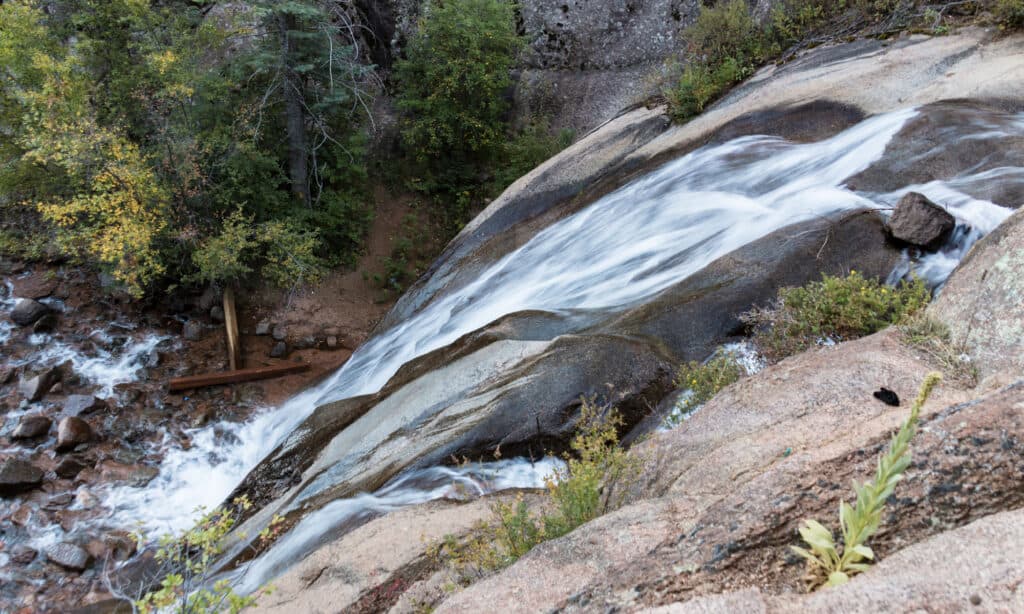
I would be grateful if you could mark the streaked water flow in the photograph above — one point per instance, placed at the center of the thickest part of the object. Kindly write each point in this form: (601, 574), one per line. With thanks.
(621, 250)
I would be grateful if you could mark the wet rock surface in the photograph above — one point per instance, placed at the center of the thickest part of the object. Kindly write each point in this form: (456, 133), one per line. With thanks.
(26, 311)
(69, 556)
(34, 388)
(71, 432)
(17, 476)
(31, 426)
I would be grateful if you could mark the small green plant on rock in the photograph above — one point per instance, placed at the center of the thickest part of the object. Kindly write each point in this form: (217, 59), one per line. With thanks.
(834, 309)
(585, 489)
(702, 381)
(932, 337)
(831, 564)
(188, 562)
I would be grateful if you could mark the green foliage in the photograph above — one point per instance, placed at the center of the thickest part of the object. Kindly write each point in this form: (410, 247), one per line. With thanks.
(725, 46)
(526, 150)
(140, 139)
(702, 382)
(188, 560)
(285, 254)
(1009, 14)
(831, 564)
(585, 489)
(454, 77)
(834, 309)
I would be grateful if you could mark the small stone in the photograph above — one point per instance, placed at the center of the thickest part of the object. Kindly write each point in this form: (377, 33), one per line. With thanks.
(32, 426)
(72, 431)
(27, 311)
(35, 388)
(23, 555)
(332, 331)
(192, 331)
(135, 475)
(152, 359)
(7, 375)
(919, 221)
(17, 476)
(69, 467)
(217, 313)
(82, 404)
(975, 599)
(69, 556)
(280, 333)
(332, 343)
(279, 350)
(263, 328)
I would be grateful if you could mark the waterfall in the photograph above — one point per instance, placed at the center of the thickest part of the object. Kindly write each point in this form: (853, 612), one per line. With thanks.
(619, 251)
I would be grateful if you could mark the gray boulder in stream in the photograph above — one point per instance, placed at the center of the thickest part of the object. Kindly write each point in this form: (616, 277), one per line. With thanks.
(919, 221)
(17, 476)
(26, 311)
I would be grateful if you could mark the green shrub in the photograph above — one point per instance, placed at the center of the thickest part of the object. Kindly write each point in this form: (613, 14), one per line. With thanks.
(833, 309)
(524, 152)
(831, 564)
(585, 489)
(1009, 14)
(703, 381)
(188, 560)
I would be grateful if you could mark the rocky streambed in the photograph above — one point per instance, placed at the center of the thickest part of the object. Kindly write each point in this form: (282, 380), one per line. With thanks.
(87, 424)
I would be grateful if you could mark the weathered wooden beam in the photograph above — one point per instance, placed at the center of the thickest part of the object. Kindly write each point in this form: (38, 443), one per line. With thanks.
(234, 377)
(231, 326)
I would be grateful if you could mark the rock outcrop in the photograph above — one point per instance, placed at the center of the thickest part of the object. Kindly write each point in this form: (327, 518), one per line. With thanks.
(983, 302)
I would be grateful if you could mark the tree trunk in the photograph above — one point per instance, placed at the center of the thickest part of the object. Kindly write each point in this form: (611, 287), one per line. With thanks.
(295, 116)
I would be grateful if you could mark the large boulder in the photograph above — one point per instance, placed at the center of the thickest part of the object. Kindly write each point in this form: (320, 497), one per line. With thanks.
(71, 432)
(983, 302)
(919, 221)
(33, 389)
(31, 426)
(26, 311)
(17, 476)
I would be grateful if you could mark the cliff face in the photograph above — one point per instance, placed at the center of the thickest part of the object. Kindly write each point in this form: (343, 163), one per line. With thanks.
(585, 60)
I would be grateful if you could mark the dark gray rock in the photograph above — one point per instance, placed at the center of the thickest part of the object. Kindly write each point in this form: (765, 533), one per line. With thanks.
(35, 388)
(27, 311)
(82, 404)
(192, 330)
(69, 556)
(153, 359)
(32, 426)
(17, 476)
(279, 350)
(263, 328)
(217, 313)
(69, 467)
(919, 221)
(71, 432)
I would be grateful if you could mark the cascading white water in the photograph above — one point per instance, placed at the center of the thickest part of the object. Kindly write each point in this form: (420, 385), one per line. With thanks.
(411, 488)
(622, 249)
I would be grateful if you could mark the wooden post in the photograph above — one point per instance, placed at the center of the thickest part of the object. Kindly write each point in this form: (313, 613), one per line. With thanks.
(231, 325)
